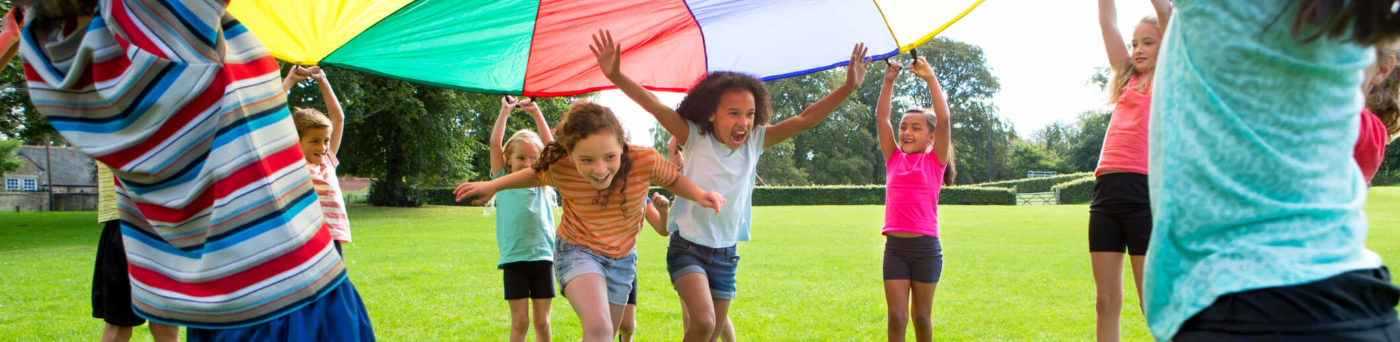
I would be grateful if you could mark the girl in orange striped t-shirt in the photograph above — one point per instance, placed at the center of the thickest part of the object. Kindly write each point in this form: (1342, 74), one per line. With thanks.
(595, 258)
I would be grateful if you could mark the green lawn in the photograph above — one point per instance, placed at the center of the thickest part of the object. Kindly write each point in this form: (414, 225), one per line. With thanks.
(811, 273)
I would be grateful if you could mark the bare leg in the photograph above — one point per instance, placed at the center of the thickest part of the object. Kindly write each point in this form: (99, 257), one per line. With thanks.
(721, 315)
(588, 294)
(629, 323)
(519, 319)
(694, 291)
(115, 333)
(897, 303)
(1137, 261)
(540, 319)
(1108, 304)
(164, 332)
(922, 310)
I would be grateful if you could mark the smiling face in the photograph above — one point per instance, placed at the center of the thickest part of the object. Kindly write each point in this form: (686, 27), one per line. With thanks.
(1146, 39)
(915, 133)
(522, 156)
(315, 143)
(733, 117)
(597, 157)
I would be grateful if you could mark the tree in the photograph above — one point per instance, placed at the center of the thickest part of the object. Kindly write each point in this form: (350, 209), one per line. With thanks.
(1088, 141)
(1027, 156)
(9, 161)
(408, 135)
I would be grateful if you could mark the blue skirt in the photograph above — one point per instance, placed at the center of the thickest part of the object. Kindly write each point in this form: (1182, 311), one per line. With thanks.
(339, 315)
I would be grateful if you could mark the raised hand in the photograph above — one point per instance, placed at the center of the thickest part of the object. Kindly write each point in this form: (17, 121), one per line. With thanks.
(480, 190)
(892, 70)
(855, 71)
(508, 102)
(316, 73)
(922, 69)
(529, 106)
(608, 53)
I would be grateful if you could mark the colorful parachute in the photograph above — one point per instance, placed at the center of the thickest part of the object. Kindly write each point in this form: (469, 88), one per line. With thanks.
(540, 48)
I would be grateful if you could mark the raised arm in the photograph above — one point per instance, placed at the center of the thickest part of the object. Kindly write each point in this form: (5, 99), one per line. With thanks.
(1164, 13)
(942, 131)
(684, 188)
(882, 110)
(498, 160)
(483, 191)
(1112, 39)
(657, 212)
(609, 55)
(294, 75)
(337, 115)
(541, 127)
(814, 114)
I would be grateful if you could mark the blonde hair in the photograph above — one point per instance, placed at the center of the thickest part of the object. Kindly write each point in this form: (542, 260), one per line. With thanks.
(523, 136)
(309, 118)
(1127, 71)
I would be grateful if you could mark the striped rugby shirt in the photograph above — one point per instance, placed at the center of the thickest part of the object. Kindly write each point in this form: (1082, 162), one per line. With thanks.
(606, 228)
(327, 186)
(218, 215)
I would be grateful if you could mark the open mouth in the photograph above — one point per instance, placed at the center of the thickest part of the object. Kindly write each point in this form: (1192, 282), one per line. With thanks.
(602, 179)
(738, 136)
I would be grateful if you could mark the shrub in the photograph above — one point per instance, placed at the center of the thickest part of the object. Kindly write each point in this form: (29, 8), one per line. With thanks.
(1043, 184)
(1076, 191)
(810, 195)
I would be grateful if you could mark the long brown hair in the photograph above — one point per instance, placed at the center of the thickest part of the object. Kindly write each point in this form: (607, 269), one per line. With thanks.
(57, 9)
(1127, 71)
(586, 119)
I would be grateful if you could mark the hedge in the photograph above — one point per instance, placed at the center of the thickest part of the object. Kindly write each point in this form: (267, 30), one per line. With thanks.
(1076, 191)
(812, 195)
(1042, 184)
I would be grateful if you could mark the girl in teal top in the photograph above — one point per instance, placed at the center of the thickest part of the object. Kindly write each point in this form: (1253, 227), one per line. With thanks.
(524, 225)
(1258, 232)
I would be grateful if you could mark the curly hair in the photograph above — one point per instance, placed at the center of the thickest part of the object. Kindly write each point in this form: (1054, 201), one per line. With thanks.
(1381, 101)
(309, 118)
(1127, 71)
(586, 119)
(702, 100)
(57, 9)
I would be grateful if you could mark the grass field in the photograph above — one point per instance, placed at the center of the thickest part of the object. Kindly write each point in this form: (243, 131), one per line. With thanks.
(811, 273)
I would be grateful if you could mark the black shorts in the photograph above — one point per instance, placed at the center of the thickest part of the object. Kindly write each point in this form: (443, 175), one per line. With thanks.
(111, 286)
(1352, 306)
(918, 258)
(1120, 214)
(632, 297)
(528, 279)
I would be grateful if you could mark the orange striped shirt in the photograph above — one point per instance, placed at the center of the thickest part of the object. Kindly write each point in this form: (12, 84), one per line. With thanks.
(606, 228)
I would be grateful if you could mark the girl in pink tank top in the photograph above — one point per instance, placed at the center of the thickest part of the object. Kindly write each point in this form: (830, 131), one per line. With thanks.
(1120, 213)
(915, 165)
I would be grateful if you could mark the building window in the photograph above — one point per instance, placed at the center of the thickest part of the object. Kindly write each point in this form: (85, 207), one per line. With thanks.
(31, 185)
(11, 184)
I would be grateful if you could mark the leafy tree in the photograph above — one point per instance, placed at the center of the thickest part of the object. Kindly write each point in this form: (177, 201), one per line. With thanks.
(1027, 156)
(9, 161)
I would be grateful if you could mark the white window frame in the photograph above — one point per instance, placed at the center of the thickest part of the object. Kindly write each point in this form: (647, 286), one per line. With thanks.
(12, 184)
(31, 185)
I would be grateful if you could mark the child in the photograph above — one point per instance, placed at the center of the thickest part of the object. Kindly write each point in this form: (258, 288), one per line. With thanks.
(1120, 212)
(657, 208)
(723, 126)
(1379, 117)
(320, 140)
(218, 215)
(914, 170)
(524, 225)
(603, 183)
(111, 285)
(1257, 204)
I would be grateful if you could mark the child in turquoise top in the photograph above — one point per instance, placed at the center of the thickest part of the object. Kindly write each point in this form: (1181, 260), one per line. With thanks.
(1258, 231)
(524, 225)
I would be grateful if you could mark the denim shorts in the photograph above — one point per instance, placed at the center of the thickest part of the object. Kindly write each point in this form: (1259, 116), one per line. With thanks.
(719, 265)
(572, 261)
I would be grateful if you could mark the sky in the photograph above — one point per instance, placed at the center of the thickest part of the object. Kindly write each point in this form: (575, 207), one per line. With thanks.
(1042, 53)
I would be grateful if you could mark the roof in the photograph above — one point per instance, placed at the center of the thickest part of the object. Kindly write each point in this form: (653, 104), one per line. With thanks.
(71, 167)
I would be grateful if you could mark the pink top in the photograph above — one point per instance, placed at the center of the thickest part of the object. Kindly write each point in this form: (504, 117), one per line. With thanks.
(328, 191)
(1125, 143)
(912, 182)
(1370, 145)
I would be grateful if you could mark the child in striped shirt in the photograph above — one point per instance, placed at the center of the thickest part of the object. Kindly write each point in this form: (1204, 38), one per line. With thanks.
(603, 183)
(319, 138)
